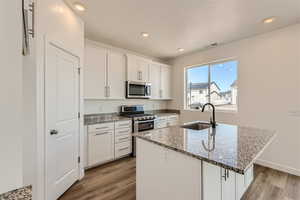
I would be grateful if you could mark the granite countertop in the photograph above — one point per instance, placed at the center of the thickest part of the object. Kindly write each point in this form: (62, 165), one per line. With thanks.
(112, 117)
(24, 193)
(228, 146)
(103, 118)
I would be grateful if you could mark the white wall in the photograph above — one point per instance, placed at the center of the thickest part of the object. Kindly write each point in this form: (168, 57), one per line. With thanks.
(58, 22)
(269, 90)
(112, 106)
(11, 98)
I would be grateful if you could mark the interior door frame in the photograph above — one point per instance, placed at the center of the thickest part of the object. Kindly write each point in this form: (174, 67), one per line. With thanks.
(39, 188)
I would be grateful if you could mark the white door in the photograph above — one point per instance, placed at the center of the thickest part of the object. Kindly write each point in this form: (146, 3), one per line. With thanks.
(155, 81)
(62, 123)
(166, 82)
(95, 72)
(116, 75)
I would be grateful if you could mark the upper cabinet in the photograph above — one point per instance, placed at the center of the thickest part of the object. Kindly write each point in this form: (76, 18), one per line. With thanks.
(165, 82)
(137, 69)
(104, 73)
(160, 78)
(116, 71)
(95, 72)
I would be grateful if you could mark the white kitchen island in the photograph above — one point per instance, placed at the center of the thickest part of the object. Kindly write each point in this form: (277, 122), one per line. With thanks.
(211, 164)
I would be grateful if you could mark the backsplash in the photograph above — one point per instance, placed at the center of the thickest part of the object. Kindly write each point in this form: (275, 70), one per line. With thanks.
(111, 106)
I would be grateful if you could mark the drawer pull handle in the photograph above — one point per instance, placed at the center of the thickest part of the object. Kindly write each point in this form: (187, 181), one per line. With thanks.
(125, 138)
(102, 128)
(124, 131)
(101, 133)
(123, 149)
(127, 124)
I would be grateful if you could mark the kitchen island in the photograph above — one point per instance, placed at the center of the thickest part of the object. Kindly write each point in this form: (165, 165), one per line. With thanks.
(210, 164)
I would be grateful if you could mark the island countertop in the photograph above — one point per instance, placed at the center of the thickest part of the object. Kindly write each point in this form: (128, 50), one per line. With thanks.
(228, 146)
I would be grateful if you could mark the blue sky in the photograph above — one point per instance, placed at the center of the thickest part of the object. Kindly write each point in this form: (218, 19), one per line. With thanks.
(223, 74)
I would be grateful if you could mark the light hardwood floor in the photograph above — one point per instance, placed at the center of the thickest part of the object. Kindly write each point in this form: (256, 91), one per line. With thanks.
(116, 181)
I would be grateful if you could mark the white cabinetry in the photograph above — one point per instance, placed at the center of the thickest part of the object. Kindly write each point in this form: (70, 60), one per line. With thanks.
(161, 174)
(165, 82)
(108, 141)
(100, 143)
(95, 72)
(123, 138)
(104, 73)
(166, 121)
(137, 69)
(160, 78)
(116, 71)
(228, 184)
(155, 79)
(223, 184)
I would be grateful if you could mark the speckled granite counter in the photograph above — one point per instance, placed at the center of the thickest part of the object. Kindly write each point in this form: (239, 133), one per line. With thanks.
(228, 146)
(24, 193)
(103, 118)
(112, 117)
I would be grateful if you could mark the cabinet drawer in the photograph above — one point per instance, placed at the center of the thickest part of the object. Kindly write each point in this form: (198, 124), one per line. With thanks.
(123, 124)
(123, 131)
(123, 138)
(173, 118)
(100, 127)
(123, 149)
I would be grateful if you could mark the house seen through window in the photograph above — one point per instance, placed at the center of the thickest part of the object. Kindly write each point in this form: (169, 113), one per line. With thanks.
(215, 83)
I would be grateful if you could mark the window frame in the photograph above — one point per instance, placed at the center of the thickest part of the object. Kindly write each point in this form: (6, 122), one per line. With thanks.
(219, 61)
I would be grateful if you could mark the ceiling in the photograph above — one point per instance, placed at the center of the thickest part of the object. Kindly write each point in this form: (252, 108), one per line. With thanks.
(188, 24)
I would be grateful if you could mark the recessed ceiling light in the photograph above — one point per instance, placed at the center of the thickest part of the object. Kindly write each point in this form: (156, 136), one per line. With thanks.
(269, 20)
(79, 6)
(144, 34)
(180, 49)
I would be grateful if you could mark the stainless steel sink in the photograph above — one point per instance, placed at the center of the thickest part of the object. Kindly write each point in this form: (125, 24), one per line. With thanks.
(197, 126)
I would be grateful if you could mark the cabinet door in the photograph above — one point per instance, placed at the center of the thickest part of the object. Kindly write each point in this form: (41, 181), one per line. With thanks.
(143, 70)
(100, 147)
(166, 82)
(133, 73)
(211, 182)
(228, 185)
(94, 72)
(154, 74)
(116, 75)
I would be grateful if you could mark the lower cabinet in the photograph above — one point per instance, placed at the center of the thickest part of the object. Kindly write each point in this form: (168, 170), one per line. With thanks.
(100, 147)
(224, 184)
(108, 141)
(166, 121)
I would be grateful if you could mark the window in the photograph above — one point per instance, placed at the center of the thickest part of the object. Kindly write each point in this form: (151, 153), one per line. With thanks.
(214, 83)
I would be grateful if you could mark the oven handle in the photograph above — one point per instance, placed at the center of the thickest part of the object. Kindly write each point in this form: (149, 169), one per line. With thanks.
(144, 121)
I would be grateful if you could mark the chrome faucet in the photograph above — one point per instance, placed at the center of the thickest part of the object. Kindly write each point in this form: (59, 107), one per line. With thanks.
(213, 119)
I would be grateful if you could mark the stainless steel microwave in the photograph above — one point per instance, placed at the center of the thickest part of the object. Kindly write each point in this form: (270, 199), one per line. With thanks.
(138, 90)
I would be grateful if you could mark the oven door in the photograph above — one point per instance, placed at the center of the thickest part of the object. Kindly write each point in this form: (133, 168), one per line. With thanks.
(136, 90)
(143, 125)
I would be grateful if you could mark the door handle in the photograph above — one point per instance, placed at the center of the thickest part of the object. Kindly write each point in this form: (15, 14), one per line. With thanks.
(53, 132)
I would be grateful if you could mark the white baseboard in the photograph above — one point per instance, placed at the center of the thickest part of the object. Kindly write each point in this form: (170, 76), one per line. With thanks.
(278, 167)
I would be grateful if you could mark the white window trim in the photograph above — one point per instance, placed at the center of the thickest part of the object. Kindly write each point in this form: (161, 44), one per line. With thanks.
(210, 63)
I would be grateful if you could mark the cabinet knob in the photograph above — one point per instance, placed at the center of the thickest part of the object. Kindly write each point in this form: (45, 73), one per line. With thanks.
(53, 132)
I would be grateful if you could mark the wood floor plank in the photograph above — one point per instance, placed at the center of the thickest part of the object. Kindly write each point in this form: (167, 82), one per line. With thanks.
(116, 181)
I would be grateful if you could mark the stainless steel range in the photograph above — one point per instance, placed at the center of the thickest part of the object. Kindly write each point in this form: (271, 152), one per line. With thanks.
(140, 120)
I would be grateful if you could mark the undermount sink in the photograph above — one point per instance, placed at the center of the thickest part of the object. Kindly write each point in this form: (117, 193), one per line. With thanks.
(197, 126)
